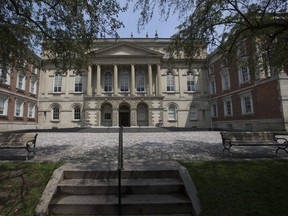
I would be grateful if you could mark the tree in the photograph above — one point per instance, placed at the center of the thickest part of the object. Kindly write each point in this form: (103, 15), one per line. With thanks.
(64, 27)
(222, 23)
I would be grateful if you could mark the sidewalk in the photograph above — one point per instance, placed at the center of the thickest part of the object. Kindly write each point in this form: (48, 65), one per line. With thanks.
(175, 145)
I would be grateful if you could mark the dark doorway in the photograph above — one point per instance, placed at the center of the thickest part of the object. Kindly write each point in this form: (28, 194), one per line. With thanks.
(124, 116)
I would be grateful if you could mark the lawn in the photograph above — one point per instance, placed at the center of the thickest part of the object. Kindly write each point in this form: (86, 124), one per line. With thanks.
(226, 188)
(241, 187)
(21, 186)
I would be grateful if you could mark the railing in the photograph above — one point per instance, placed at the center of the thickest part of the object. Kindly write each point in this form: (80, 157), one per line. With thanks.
(120, 168)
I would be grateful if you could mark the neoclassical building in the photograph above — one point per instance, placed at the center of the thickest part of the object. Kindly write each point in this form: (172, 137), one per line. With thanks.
(129, 82)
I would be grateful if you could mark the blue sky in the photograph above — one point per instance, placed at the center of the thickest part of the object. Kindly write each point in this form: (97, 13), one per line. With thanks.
(164, 28)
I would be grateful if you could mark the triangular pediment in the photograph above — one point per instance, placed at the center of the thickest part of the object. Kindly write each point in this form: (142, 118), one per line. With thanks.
(125, 49)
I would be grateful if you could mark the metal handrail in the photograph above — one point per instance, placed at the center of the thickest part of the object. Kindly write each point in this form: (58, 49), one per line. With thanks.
(120, 168)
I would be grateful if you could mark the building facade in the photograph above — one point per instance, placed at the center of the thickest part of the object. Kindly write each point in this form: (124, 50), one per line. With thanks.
(129, 82)
(19, 97)
(246, 92)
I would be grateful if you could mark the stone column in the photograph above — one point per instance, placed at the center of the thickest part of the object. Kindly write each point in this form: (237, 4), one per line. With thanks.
(133, 117)
(132, 90)
(98, 80)
(115, 80)
(89, 80)
(150, 80)
(159, 92)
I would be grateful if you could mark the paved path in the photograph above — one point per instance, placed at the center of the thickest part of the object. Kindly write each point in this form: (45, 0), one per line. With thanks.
(181, 145)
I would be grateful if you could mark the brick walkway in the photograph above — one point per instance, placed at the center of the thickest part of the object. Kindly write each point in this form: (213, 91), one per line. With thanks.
(184, 145)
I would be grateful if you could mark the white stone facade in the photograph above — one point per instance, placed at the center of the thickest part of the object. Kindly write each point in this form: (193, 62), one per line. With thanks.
(129, 82)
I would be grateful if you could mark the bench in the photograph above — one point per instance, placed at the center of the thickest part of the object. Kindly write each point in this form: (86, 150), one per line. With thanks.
(19, 141)
(230, 139)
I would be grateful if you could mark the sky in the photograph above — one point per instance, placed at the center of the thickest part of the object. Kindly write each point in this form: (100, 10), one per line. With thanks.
(165, 29)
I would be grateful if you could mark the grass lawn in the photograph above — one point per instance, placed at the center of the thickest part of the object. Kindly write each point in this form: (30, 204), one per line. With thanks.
(21, 186)
(226, 188)
(234, 188)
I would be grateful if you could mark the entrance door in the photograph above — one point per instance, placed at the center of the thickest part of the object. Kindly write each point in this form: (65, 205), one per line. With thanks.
(124, 116)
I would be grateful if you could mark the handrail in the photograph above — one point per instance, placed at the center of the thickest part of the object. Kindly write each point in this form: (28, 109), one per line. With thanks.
(120, 168)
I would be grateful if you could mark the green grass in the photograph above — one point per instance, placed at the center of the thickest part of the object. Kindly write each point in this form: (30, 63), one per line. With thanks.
(21, 186)
(226, 188)
(234, 188)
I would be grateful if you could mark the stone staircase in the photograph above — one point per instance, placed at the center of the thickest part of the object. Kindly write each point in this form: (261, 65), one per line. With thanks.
(147, 191)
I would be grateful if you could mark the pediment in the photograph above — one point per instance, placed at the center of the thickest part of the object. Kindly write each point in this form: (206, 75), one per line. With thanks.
(125, 49)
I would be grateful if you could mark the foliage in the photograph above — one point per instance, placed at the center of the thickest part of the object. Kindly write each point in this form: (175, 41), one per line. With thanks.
(229, 21)
(69, 26)
(241, 187)
(21, 186)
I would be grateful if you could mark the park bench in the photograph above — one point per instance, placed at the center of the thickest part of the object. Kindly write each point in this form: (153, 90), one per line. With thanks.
(230, 139)
(19, 141)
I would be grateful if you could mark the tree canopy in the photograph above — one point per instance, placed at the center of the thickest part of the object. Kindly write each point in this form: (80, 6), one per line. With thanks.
(222, 23)
(65, 27)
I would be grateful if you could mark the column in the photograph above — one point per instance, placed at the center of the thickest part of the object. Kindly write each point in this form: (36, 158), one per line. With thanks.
(89, 79)
(132, 90)
(159, 81)
(115, 80)
(150, 80)
(98, 80)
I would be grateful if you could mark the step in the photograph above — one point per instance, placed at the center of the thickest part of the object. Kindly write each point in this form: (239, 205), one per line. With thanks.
(131, 204)
(129, 186)
(125, 174)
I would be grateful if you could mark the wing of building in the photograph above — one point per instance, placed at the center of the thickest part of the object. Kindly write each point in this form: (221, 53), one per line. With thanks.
(129, 82)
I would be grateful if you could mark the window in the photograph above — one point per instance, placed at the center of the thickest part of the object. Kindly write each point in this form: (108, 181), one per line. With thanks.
(124, 81)
(19, 104)
(225, 79)
(57, 82)
(3, 105)
(56, 113)
(243, 73)
(21, 81)
(212, 86)
(224, 63)
(31, 110)
(77, 113)
(107, 112)
(108, 82)
(193, 113)
(141, 112)
(170, 82)
(247, 104)
(34, 69)
(172, 113)
(191, 82)
(140, 81)
(78, 83)
(33, 85)
(241, 50)
(228, 107)
(4, 76)
(214, 110)
(211, 69)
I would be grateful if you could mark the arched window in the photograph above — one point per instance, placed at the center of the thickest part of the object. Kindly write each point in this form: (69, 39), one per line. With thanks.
(193, 112)
(77, 113)
(190, 82)
(140, 81)
(124, 81)
(170, 82)
(56, 113)
(172, 113)
(108, 82)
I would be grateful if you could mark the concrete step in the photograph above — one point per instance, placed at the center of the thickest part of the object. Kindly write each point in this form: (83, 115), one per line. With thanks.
(129, 186)
(131, 204)
(125, 174)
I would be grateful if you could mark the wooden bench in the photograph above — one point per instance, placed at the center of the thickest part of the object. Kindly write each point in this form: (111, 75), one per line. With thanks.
(19, 141)
(230, 139)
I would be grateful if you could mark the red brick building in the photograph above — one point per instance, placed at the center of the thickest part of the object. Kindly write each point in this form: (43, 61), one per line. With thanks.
(246, 94)
(19, 98)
